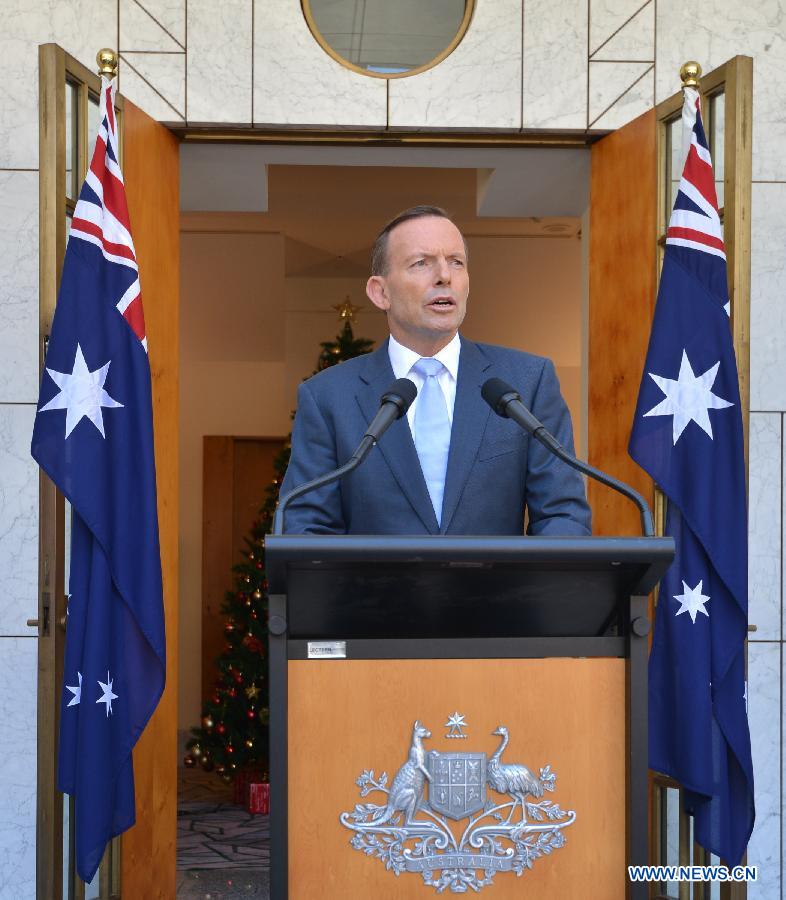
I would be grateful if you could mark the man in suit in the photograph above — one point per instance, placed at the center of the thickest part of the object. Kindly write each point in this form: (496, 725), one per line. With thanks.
(450, 466)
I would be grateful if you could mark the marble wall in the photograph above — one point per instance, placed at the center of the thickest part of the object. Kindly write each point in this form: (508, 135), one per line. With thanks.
(523, 65)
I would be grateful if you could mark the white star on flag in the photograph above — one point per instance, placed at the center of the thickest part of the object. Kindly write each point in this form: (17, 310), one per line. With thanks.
(689, 398)
(81, 394)
(76, 690)
(107, 697)
(692, 601)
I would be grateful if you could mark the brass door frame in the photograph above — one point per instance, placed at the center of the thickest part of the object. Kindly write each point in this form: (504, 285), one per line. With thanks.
(56, 69)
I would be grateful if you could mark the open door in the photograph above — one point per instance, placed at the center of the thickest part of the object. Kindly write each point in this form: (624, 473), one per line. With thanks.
(635, 175)
(151, 172)
(143, 862)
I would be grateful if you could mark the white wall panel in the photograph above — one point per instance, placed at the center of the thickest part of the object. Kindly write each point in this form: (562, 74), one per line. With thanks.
(297, 83)
(764, 713)
(18, 521)
(555, 96)
(81, 27)
(713, 31)
(18, 663)
(18, 287)
(219, 61)
(764, 526)
(768, 297)
(478, 85)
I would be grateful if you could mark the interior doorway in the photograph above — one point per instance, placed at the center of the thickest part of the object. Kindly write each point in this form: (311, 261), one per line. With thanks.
(274, 240)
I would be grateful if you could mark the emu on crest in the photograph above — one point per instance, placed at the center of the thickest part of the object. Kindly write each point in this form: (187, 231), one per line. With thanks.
(513, 779)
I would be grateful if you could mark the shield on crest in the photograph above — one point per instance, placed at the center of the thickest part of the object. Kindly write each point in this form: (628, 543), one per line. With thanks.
(458, 783)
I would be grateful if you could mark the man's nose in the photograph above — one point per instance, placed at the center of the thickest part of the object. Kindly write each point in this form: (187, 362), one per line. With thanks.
(442, 271)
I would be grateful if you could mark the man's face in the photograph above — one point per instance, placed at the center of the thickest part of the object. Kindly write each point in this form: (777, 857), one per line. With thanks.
(425, 288)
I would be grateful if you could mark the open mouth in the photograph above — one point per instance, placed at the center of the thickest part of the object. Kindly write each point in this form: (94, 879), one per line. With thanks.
(442, 303)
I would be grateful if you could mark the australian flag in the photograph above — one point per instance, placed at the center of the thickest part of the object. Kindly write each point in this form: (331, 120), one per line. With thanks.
(687, 434)
(93, 436)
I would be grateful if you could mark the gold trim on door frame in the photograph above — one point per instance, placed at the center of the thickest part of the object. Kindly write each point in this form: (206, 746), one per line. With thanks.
(56, 69)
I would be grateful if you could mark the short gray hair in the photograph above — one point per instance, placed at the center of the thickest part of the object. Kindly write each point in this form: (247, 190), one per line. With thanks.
(379, 252)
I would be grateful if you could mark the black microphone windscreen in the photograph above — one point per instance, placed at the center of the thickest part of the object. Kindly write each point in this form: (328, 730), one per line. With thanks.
(402, 392)
(494, 391)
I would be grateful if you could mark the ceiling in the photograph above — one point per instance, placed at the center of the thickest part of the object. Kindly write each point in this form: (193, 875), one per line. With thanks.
(330, 202)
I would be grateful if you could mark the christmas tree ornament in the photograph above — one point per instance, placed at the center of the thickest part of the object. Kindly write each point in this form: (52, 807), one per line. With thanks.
(188, 761)
(196, 751)
(207, 722)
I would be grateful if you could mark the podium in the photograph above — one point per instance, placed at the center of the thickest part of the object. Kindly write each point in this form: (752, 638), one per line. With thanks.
(488, 677)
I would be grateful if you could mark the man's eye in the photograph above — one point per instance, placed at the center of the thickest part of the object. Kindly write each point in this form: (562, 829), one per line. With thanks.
(419, 262)
(458, 262)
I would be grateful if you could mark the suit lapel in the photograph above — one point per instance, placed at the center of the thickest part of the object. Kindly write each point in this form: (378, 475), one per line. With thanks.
(396, 445)
(470, 415)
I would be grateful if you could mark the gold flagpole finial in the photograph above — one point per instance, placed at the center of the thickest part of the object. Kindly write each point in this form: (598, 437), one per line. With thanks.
(107, 62)
(690, 73)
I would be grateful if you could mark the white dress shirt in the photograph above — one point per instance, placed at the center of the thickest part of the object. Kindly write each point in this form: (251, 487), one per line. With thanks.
(402, 359)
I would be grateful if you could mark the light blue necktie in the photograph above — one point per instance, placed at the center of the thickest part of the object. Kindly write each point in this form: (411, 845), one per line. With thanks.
(432, 431)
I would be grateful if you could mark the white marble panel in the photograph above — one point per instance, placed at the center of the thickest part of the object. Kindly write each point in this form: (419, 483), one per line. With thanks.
(81, 27)
(156, 82)
(478, 86)
(297, 83)
(171, 14)
(608, 17)
(713, 31)
(634, 39)
(219, 62)
(141, 29)
(764, 718)
(18, 521)
(768, 297)
(618, 93)
(764, 527)
(18, 665)
(555, 31)
(18, 287)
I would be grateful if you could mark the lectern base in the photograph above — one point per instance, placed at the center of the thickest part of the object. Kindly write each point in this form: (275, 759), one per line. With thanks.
(347, 717)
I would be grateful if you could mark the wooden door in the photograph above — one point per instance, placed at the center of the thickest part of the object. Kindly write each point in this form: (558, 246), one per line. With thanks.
(622, 286)
(151, 171)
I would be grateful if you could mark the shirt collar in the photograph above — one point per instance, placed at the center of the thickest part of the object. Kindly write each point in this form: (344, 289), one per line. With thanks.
(402, 358)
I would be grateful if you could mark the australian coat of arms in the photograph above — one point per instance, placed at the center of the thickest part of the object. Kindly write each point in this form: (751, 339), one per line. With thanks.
(409, 830)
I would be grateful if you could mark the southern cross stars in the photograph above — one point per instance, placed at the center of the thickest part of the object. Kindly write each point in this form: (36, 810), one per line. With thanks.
(692, 601)
(107, 697)
(76, 690)
(689, 398)
(81, 394)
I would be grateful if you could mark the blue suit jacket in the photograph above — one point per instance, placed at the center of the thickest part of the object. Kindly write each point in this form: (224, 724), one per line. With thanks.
(494, 469)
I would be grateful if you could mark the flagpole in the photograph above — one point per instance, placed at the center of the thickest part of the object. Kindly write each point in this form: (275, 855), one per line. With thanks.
(107, 61)
(690, 75)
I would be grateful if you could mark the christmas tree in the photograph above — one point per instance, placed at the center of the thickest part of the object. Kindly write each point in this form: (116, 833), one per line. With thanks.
(233, 735)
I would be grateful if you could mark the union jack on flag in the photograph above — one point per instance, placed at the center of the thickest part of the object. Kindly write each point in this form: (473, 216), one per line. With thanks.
(687, 434)
(93, 436)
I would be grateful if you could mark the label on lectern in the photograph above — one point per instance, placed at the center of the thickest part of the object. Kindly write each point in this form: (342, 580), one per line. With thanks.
(327, 649)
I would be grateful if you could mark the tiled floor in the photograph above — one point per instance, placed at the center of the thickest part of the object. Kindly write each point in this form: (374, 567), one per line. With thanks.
(223, 852)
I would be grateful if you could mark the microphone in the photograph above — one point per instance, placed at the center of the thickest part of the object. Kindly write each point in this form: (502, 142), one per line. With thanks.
(394, 403)
(506, 402)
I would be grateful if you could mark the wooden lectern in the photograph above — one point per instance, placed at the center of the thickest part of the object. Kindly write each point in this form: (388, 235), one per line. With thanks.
(501, 677)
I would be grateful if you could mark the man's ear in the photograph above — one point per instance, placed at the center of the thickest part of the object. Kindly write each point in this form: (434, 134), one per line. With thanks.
(377, 293)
